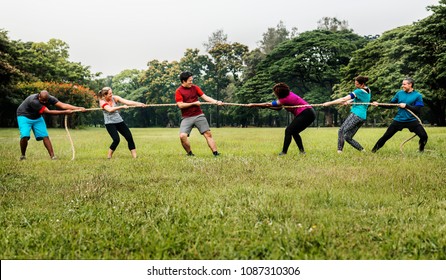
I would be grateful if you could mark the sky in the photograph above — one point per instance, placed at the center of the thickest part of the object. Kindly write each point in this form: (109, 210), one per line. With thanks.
(113, 35)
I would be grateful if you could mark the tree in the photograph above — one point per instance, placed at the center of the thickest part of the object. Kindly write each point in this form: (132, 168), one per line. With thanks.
(274, 36)
(252, 59)
(309, 63)
(49, 62)
(257, 89)
(127, 84)
(379, 60)
(217, 37)
(66, 92)
(429, 59)
(10, 75)
(415, 50)
(271, 39)
(161, 80)
(332, 24)
(227, 68)
(32, 62)
(199, 66)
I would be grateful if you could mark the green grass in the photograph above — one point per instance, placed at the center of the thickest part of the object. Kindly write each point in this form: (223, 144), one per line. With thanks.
(247, 204)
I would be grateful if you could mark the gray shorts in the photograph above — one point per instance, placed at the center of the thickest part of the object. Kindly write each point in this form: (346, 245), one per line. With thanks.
(200, 122)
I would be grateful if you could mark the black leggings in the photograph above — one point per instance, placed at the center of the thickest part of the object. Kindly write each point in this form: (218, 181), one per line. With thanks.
(114, 128)
(396, 126)
(300, 122)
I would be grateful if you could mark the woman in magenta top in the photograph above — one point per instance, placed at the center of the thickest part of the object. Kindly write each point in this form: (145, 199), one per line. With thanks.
(303, 116)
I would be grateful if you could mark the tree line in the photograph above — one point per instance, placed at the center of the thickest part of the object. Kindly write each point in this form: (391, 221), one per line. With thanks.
(319, 65)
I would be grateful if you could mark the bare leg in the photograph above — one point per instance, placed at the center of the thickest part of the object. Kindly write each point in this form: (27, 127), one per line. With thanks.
(48, 146)
(185, 142)
(210, 140)
(23, 145)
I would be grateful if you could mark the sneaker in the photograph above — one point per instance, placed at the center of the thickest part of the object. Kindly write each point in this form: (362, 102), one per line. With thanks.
(339, 151)
(22, 157)
(190, 154)
(216, 154)
(54, 158)
(282, 154)
(302, 153)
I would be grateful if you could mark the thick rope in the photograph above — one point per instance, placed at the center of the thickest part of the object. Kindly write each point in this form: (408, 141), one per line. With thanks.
(402, 144)
(234, 104)
(351, 103)
(69, 137)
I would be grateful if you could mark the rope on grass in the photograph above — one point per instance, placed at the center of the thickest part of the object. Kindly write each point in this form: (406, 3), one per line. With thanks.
(69, 137)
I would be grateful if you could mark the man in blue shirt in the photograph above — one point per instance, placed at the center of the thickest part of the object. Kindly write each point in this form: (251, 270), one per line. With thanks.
(408, 98)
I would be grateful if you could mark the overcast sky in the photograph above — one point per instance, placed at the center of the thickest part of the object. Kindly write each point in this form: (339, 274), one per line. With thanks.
(114, 35)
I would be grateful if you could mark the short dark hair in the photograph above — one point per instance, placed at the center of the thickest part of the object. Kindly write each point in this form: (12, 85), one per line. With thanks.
(185, 75)
(410, 80)
(282, 90)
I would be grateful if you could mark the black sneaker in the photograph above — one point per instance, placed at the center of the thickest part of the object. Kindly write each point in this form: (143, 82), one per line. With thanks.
(282, 154)
(190, 154)
(216, 154)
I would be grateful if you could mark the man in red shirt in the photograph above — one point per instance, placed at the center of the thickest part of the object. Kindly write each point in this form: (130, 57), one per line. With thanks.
(186, 97)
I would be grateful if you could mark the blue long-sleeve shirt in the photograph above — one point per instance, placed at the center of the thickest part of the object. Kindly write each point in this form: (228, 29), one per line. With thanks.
(413, 98)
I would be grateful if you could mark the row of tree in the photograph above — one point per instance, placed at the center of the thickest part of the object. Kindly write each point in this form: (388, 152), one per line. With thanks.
(319, 65)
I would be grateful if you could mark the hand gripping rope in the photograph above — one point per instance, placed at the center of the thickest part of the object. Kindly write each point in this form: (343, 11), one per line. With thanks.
(233, 104)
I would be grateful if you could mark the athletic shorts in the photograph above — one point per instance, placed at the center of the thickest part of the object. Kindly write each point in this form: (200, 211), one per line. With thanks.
(38, 127)
(200, 122)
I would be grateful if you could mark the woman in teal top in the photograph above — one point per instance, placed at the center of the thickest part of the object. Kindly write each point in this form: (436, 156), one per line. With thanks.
(357, 116)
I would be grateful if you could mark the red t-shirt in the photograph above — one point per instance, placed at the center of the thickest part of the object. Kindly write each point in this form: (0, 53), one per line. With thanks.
(189, 95)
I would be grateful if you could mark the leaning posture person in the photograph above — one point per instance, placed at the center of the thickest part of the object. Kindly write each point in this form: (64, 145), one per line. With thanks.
(304, 115)
(113, 120)
(358, 113)
(412, 100)
(186, 97)
(29, 117)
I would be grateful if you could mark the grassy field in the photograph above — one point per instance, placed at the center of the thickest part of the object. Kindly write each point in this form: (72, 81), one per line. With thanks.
(247, 204)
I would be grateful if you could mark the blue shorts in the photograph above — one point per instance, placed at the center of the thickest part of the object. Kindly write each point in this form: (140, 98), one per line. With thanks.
(38, 126)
